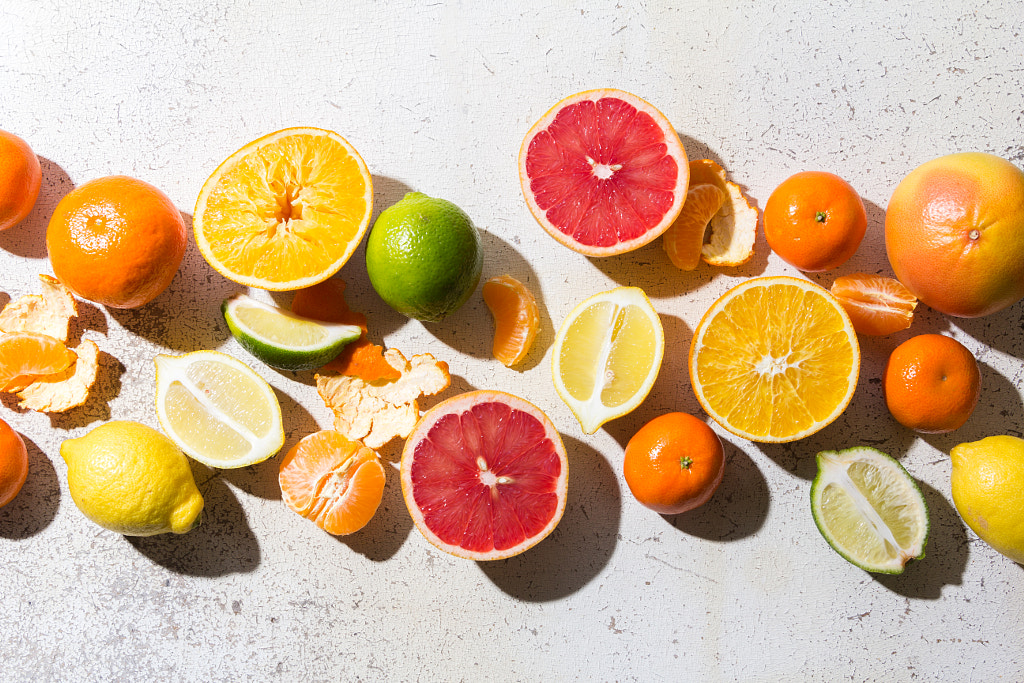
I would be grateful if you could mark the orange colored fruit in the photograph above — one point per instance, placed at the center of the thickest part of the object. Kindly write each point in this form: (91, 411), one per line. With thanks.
(484, 475)
(117, 241)
(333, 481)
(13, 463)
(674, 463)
(814, 221)
(954, 233)
(603, 172)
(516, 318)
(876, 305)
(20, 178)
(931, 383)
(685, 238)
(25, 356)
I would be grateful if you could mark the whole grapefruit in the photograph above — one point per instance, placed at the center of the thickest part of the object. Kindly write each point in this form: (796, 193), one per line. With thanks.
(954, 233)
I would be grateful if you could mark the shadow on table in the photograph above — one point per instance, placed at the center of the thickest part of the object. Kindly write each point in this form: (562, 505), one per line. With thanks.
(582, 543)
(36, 504)
(390, 526)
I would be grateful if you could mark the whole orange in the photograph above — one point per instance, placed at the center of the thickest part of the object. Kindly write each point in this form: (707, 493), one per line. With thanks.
(674, 463)
(814, 221)
(954, 232)
(20, 178)
(117, 241)
(13, 463)
(931, 383)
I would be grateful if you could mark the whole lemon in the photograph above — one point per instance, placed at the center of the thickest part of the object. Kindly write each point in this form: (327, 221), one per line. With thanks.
(131, 479)
(988, 491)
(423, 257)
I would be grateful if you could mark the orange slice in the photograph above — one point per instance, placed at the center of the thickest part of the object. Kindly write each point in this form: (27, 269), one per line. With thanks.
(332, 481)
(685, 239)
(285, 211)
(26, 356)
(775, 359)
(516, 318)
(877, 305)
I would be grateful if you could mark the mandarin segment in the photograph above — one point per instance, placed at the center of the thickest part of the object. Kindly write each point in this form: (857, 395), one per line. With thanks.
(516, 318)
(62, 391)
(877, 305)
(685, 239)
(26, 356)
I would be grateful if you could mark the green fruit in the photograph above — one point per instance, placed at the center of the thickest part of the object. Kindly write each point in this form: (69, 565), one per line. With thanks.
(869, 509)
(131, 479)
(987, 484)
(282, 339)
(423, 257)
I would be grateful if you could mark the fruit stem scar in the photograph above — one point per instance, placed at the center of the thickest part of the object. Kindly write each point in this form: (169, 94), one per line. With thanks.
(685, 462)
(974, 234)
(820, 216)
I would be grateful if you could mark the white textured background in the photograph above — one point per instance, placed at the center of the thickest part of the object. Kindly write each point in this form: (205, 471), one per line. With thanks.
(437, 99)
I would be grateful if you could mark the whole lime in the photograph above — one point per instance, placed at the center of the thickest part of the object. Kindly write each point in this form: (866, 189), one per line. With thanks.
(987, 484)
(423, 257)
(131, 479)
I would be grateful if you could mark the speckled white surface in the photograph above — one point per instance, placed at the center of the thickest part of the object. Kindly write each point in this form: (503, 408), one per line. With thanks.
(437, 98)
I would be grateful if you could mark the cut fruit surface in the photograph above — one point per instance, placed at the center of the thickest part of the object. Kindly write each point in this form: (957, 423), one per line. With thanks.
(484, 475)
(876, 305)
(685, 239)
(607, 354)
(217, 409)
(516, 318)
(603, 172)
(869, 509)
(26, 356)
(332, 481)
(285, 211)
(775, 359)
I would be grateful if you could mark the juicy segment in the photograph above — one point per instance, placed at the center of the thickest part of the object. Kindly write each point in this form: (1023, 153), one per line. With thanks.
(601, 172)
(486, 479)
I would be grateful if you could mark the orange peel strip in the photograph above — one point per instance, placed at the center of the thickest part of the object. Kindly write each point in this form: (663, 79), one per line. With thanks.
(64, 390)
(48, 313)
(733, 229)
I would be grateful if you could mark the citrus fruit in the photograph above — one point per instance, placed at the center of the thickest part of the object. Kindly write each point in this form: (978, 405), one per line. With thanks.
(131, 479)
(674, 463)
(869, 509)
(954, 233)
(931, 383)
(987, 483)
(603, 172)
(814, 221)
(25, 356)
(217, 409)
(484, 475)
(285, 211)
(732, 230)
(684, 239)
(20, 179)
(607, 354)
(877, 305)
(13, 463)
(334, 482)
(117, 241)
(423, 257)
(282, 339)
(516, 318)
(774, 359)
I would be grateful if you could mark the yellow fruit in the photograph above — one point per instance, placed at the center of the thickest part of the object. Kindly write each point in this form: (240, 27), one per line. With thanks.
(775, 359)
(133, 480)
(988, 490)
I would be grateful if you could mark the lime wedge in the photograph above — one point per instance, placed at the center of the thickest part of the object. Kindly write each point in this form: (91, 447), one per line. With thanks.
(217, 410)
(869, 509)
(282, 339)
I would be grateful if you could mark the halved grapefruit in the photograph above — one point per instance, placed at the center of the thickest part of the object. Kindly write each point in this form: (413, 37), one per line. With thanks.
(484, 475)
(603, 172)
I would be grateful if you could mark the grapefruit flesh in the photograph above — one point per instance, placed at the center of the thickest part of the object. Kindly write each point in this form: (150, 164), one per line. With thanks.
(484, 475)
(604, 172)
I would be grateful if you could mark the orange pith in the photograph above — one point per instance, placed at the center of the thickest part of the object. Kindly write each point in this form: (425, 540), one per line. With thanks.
(684, 240)
(25, 356)
(333, 481)
(20, 179)
(932, 383)
(516, 318)
(876, 305)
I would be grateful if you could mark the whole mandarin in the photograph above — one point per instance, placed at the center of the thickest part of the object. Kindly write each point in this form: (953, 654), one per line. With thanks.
(13, 463)
(931, 383)
(20, 179)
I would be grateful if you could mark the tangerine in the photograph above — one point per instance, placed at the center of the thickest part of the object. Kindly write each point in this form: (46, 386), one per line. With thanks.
(931, 383)
(814, 221)
(13, 463)
(674, 463)
(20, 178)
(117, 241)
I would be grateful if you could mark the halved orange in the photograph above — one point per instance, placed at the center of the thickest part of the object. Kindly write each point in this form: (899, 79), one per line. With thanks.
(876, 305)
(516, 318)
(25, 356)
(285, 211)
(775, 359)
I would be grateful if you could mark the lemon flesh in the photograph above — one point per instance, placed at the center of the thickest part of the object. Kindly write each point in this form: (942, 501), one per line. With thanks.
(217, 409)
(869, 509)
(987, 484)
(133, 480)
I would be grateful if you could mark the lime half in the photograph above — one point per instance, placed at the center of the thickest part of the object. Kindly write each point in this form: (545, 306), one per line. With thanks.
(282, 339)
(869, 509)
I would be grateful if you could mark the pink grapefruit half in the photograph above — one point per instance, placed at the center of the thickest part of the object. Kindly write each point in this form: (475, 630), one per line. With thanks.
(484, 475)
(604, 172)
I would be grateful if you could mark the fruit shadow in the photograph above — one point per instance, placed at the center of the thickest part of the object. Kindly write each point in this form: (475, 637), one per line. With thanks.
(1000, 331)
(946, 553)
(28, 238)
(222, 544)
(186, 316)
(36, 504)
(388, 529)
(582, 543)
